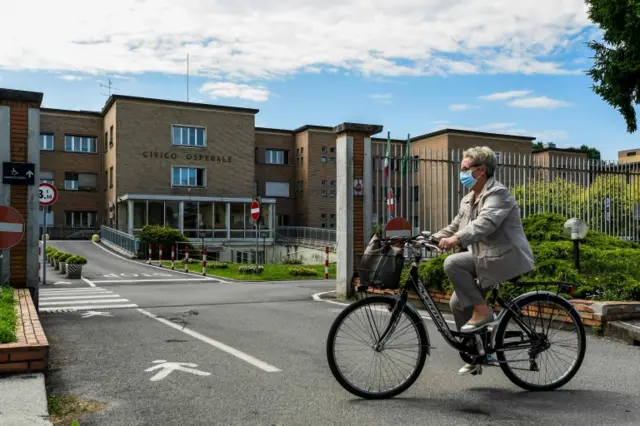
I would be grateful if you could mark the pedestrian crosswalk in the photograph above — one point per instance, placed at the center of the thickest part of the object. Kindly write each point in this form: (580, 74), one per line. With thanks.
(77, 299)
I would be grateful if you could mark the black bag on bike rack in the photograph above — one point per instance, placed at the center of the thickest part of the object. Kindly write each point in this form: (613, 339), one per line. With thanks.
(381, 265)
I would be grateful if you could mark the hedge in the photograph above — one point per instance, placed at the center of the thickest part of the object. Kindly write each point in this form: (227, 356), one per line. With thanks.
(156, 235)
(608, 264)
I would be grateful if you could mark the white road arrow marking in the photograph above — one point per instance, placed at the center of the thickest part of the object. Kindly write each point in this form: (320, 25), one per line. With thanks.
(96, 314)
(61, 283)
(167, 368)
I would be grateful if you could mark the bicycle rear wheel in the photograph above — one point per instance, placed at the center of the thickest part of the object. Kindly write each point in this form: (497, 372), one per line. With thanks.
(560, 343)
(406, 346)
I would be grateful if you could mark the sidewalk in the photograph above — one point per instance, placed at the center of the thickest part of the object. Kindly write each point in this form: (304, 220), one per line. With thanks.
(23, 400)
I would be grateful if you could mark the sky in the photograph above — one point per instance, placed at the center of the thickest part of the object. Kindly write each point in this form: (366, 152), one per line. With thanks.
(412, 66)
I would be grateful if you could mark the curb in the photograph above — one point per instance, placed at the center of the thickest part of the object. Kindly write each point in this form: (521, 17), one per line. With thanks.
(623, 332)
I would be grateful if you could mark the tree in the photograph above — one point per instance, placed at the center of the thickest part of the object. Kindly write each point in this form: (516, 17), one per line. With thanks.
(616, 69)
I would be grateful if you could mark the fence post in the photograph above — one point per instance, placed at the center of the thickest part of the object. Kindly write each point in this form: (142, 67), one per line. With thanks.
(353, 152)
(173, 257)
(326, 263)
(204, 262)
(149, 253)
(160, 255)
(186, 259)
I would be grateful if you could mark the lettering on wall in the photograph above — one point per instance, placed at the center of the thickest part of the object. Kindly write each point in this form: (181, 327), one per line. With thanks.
(187, 156)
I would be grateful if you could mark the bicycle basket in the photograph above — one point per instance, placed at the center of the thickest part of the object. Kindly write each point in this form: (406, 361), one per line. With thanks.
(381, 265)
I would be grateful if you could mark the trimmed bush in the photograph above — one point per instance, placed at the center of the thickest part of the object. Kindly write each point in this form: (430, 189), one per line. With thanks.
(95, 238)
(156, 235)
(608, 264)
(64, 257)
(77, 260)
(218, 265)
(286, 260)
(302, 272)
(250, 269)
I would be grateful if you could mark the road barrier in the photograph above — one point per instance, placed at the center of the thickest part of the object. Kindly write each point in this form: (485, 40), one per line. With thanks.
(326, 263)
(186, 259)
(160, 255)
(173, 257)
(149, 254)
(204, 262)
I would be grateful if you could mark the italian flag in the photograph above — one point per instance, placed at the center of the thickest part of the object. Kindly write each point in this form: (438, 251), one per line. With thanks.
(387, 160)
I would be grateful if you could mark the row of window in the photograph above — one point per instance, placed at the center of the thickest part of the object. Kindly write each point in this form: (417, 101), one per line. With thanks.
(75, 219)
(85, 144)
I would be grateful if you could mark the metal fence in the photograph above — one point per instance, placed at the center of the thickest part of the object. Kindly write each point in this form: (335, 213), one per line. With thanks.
(427, 190)
(118, 238)
(305, 236)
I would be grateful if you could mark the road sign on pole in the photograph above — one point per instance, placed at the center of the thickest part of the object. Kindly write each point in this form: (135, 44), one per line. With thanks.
(397, 227)
(48, 195)
(390, 202)
(11, 227)
(255, 210)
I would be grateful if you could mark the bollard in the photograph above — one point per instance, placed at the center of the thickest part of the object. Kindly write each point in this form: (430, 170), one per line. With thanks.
(326, 263)
(149, 254)
(39, 263)
(160, 255)
(186, 259)
(173, 257)
(204, 262)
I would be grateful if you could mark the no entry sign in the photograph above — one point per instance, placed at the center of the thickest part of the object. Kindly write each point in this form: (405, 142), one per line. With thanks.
(390, 201)
(255, 210)
(397, 227)
(11, 227)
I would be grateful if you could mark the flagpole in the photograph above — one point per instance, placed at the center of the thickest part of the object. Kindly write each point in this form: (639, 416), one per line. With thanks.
(389, 168)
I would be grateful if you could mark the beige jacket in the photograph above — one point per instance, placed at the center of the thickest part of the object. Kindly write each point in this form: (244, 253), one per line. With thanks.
(491, 227)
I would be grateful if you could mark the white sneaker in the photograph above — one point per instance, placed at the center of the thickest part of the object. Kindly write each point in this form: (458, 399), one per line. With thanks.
(468, 368)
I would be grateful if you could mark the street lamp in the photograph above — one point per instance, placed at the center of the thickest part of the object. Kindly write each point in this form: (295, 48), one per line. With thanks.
(576, 229)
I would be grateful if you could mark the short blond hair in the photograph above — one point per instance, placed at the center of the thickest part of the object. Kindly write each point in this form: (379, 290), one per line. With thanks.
(482, 156)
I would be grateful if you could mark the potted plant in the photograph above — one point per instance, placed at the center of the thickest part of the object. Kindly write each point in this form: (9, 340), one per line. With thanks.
(56, 261)
(74, 266)
(50, 252)
(62, 258)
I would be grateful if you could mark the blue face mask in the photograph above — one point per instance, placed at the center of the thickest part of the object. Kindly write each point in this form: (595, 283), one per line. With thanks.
(467, 179)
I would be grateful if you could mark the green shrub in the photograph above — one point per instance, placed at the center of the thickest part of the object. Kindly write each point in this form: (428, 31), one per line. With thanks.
(64, 257)
(57, 255)
(302, 272)
(608, 264)
(156, 235)
(218, 265)
(77, 260)
(95, 238)
(7, 316)
(287, 260)
(251, 269)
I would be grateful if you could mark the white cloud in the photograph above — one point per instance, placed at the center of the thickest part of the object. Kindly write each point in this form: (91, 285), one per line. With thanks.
(538, 102)
(502, 96)
(265, 39)
(233, 90)
(497, 126)
(69, 77)
(459, 107)
(385, 98)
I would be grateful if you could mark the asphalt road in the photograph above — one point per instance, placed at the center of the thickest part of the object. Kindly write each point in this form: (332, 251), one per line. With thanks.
(263, 345)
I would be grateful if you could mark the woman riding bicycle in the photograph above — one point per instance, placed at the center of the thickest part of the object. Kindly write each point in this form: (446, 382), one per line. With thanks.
(488, 225)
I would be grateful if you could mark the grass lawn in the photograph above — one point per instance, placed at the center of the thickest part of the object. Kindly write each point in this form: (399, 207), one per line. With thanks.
(7, 316)
(270, 273)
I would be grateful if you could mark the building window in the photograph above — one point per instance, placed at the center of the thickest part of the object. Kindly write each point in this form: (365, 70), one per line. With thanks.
(276, 189)
(111, 136)
(106, 141)
(80, 144)
(80, 181)
(46, 177)
(188, 136)
(111, 177)
(80, 219)
(188, 176)
(276, 156)
(282, 219)
(46, 141)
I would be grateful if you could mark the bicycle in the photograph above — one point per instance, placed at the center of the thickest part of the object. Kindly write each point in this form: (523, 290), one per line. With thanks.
(474, 348)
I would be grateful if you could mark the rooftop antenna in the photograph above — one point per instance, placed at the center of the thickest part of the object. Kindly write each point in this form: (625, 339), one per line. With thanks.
(109, 87)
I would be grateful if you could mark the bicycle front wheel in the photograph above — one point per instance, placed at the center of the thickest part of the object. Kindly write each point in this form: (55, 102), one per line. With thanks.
(354, 356)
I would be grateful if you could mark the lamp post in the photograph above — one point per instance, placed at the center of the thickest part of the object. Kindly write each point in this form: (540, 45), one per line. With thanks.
(576, 229)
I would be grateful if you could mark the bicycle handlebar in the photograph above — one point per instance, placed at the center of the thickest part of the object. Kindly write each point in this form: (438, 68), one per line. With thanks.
(424, 239)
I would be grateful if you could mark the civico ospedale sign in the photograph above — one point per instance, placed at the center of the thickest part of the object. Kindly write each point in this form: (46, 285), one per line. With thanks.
(186, 156)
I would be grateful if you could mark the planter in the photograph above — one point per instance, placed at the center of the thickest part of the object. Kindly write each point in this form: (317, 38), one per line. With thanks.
(56, 264)
(63, 267)
(74, 271)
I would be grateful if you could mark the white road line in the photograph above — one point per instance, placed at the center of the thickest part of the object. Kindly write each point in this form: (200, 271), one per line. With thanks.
(78, 297)
(150, 280)
(157, 267)
(89, 302)
(87, 307)
(241, 355)
(317, 297)
(91, 284)
(72, 290)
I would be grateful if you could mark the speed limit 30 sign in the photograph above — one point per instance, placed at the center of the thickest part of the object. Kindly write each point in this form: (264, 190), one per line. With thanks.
(48, 194)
